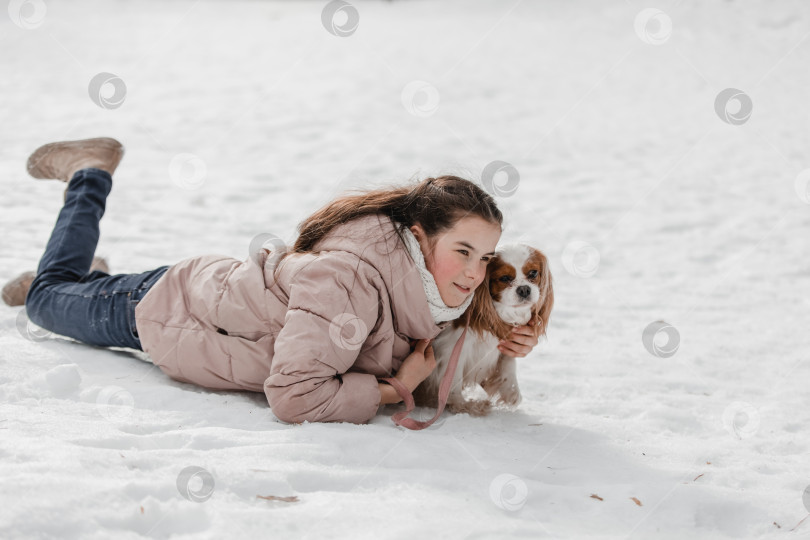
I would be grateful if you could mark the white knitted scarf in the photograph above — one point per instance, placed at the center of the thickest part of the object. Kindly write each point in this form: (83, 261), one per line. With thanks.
(440, 311)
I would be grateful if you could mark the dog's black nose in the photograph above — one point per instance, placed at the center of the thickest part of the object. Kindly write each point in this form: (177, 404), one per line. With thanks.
(523, 291)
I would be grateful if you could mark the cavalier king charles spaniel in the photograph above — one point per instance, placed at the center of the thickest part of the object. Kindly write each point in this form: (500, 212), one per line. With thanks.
(516, 291)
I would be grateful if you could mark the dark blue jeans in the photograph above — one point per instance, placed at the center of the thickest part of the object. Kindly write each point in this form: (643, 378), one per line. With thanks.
(96, 307)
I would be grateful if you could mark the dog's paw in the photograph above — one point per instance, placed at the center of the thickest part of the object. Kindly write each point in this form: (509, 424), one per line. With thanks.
(506, 388)
(509, 395)
(481, 407)
(492, 384)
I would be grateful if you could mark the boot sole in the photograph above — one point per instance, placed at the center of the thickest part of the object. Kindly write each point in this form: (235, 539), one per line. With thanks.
(40, 154)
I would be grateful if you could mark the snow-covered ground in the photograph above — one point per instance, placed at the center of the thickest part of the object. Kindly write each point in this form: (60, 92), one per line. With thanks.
(609, 113)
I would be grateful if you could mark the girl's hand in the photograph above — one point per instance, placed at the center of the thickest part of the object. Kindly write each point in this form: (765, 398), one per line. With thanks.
(522, 341)
(418, 365)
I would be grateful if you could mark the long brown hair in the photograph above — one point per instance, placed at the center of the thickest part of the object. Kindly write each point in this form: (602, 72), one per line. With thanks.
(434, 203)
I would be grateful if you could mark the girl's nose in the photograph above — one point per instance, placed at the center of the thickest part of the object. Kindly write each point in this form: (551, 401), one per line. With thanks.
(474, 273)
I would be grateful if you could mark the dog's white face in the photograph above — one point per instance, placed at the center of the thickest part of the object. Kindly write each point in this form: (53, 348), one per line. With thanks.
(514, 282)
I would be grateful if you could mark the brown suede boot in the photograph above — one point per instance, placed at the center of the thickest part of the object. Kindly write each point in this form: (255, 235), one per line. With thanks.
(60, 160)
(16, 290)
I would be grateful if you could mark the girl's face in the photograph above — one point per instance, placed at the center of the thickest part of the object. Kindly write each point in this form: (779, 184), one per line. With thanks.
(458, 258)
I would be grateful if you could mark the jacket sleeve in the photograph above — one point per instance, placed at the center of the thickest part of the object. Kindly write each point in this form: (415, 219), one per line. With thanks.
(333, 305)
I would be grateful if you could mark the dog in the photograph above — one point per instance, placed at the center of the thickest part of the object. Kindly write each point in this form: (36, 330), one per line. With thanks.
(517, 290)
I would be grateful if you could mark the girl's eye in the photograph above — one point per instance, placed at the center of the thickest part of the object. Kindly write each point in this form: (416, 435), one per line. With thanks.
(505, 279)
(466, 253)
(532, 274)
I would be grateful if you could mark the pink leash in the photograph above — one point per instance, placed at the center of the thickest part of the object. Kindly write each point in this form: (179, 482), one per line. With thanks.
(401, 418)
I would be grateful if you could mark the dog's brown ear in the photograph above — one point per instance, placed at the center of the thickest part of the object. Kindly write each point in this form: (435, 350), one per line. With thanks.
(541, 313)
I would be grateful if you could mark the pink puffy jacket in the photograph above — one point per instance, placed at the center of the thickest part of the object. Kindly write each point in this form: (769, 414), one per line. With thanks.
(315, 339)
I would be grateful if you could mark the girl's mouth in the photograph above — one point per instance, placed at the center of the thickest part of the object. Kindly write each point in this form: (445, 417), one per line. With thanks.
(464, 290)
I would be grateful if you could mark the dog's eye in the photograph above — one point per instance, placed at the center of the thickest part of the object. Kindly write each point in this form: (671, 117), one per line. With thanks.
(505, 279)
(532, 274)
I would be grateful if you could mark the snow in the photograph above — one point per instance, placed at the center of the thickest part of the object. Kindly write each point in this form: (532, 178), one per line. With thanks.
(649, 205)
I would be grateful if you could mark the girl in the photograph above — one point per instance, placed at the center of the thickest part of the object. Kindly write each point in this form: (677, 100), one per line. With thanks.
(371, 279)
